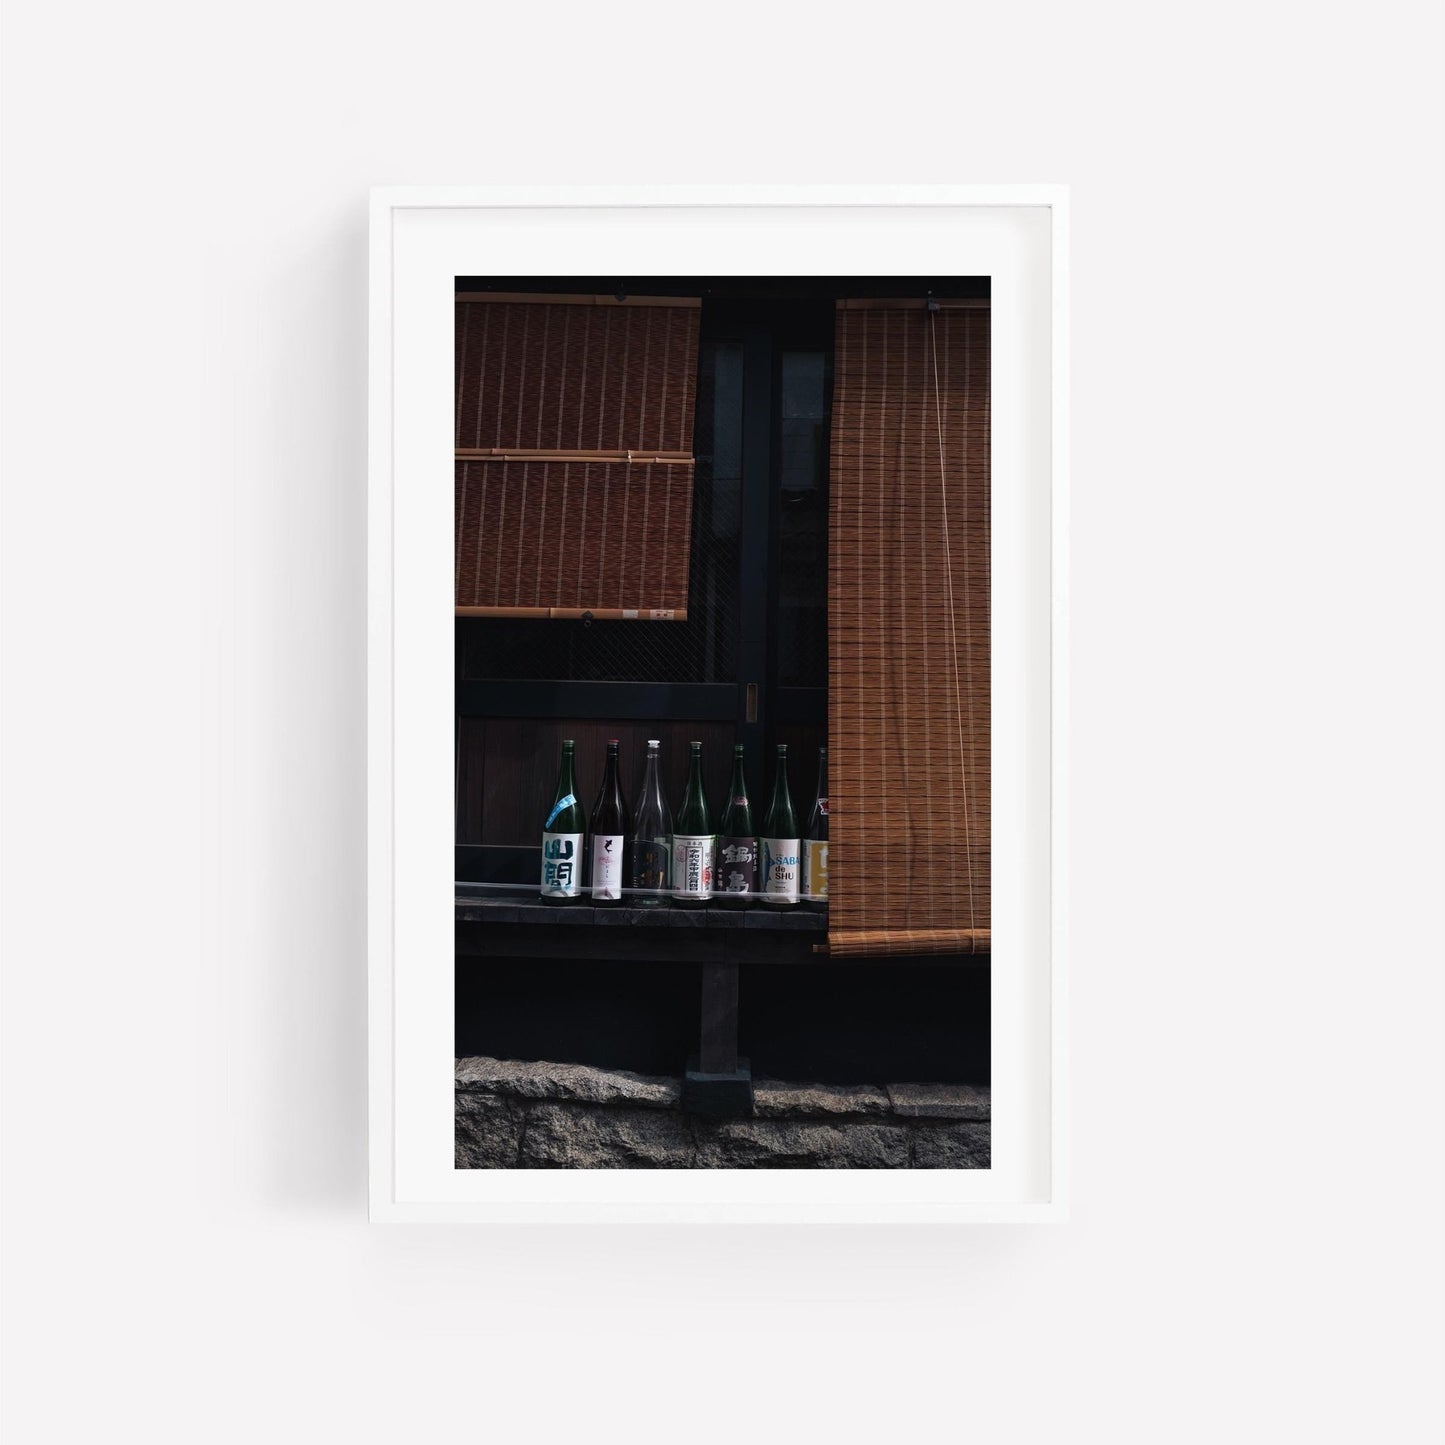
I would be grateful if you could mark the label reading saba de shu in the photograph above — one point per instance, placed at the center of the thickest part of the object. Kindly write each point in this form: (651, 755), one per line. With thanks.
(562, 865)
(606, 866)
(692, 865)
(780, 867)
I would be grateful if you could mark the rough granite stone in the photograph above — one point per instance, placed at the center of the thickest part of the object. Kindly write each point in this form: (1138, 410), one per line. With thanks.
(776, 1099)
(488, 1132)
(776, 1144)
(570, 1116)
(939, 1101)
(579, 1082)
(563, 1136)
(951, 1146)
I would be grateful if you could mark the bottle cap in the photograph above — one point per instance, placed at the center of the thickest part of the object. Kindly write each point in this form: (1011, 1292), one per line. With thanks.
(653, 743)
(611, 742)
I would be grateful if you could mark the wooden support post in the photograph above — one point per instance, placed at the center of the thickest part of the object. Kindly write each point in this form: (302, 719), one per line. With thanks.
(718, 1082)
(719, 1052)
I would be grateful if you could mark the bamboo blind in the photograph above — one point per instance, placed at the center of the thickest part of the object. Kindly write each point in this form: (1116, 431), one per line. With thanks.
(574, 455)
(908, 606)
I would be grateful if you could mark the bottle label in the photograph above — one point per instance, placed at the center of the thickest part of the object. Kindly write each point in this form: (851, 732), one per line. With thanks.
(823, 806)
(815, 870)
(606, 865)
(558, 807)
(692, 860)
(561, 865)
(650, 858)
(737, 864)
(780, 867)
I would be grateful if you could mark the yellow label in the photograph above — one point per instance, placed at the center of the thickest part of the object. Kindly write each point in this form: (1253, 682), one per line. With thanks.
(815, 869)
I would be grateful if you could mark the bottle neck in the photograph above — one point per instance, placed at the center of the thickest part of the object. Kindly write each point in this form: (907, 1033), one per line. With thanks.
(780, 784)
(566, 779)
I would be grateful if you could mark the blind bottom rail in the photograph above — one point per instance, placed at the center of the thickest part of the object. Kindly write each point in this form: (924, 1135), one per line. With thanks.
(580, 614)
(866, 942)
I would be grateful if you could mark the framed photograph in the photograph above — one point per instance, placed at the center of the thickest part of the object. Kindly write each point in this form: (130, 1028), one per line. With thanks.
(717, 704)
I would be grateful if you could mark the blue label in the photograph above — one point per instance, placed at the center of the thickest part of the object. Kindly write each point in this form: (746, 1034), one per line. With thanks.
(557, 807)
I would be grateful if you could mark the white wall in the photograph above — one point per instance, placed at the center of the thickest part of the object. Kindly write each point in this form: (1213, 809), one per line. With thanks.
(1255, 1251)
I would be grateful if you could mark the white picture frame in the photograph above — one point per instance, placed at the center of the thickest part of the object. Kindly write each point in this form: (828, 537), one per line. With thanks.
(421, 239)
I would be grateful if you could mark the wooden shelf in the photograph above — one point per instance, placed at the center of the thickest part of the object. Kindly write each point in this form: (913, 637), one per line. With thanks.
(520, 909)
(521, 926)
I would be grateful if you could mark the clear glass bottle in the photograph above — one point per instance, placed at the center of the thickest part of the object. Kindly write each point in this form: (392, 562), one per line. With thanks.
(780, 842)
(693, 841)
(815, 844)
(737, 843)
(651, 835)
(609, 834)
(563, 834)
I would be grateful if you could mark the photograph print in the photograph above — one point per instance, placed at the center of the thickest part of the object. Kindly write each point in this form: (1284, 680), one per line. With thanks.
(722, 771)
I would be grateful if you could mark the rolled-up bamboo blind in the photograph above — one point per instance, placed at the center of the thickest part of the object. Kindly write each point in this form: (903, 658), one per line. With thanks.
(574, 454)
(908, 602)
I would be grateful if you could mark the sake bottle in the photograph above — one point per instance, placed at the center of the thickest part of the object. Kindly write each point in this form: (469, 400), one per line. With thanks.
(651, 835)
(693, 840)
(737, 844)
(815, 845)
(780, 841)
(609, 834)
(562, 837)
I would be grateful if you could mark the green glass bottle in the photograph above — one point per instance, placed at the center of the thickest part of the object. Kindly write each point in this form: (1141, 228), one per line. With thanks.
(692, 840)
(563, 835)
(737, 844)
(815, 844)
(780, 842)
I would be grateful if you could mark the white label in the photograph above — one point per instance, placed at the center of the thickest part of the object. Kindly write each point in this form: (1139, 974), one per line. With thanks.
(692, 865)
(780, 867)
(562, 865)
(606, 866)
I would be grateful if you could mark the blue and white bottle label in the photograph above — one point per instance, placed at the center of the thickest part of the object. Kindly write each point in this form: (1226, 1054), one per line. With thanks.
(558, 806)
(562, 865)
(780, 868)
(606, 865)
(692, 865)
